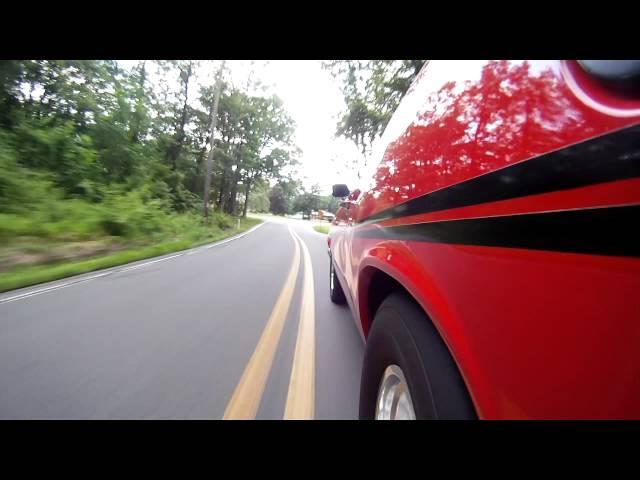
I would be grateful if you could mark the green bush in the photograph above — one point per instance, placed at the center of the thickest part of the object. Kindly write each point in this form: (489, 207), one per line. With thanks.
(32, 206)
(12, 225)
(221, 220)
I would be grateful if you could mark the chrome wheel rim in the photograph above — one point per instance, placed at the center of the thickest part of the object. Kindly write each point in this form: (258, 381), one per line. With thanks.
(394, 400)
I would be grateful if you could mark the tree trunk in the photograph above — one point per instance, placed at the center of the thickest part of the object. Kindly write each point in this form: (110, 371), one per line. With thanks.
(176, 148)
(214, 116)
(135, 129)
(230, 206)
(223, 183)
(183, 118)
(230, 203)
(247, 190)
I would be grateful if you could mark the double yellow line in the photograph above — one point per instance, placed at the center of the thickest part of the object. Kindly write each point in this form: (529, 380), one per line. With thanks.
(246, 397)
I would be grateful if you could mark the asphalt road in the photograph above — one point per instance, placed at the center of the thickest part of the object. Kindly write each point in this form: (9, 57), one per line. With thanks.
(239, 329)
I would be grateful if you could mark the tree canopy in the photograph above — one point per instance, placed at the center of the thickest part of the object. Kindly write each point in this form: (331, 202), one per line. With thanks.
(372, 91)
(90, 126)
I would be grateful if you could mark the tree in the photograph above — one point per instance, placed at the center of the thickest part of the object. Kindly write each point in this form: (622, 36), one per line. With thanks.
(99, 127)
(254, 143)
(306, 203)
(328, 203)
(214, 118)
(259, 200)
(269, 166)
(181, 113)
(277, 201)
(372, 91)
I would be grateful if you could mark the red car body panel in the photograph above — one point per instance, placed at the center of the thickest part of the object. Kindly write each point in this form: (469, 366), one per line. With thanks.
(536, 333)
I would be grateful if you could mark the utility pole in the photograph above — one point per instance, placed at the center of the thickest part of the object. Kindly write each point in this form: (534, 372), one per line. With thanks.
(214, 118)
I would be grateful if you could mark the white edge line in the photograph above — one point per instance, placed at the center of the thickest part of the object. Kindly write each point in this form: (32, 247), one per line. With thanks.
(148, 263)
(85, 279)
(53, 287)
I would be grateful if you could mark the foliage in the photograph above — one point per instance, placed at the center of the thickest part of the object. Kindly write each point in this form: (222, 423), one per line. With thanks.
(307, 202)
(278, 202)
(90, 149)
(255, 144)
(23, 277)
(89, 125)
(259, 200)
(372, 91)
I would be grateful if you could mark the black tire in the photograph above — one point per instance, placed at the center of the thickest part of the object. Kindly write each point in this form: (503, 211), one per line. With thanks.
(403, 335)
(335, 289)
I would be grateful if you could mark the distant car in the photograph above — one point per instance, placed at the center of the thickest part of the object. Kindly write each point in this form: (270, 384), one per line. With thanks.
(493, 264)
(328, 216)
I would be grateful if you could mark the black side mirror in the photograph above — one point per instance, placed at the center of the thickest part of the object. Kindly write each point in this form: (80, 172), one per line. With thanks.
(340, 190)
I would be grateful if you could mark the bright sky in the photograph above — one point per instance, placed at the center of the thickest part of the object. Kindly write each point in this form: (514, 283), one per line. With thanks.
(314, 100)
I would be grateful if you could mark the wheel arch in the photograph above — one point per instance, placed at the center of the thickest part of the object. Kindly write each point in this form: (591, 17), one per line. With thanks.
(378, 278)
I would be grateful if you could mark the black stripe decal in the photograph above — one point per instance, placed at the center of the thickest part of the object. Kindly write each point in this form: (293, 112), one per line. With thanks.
(614, 156)
(598, 231)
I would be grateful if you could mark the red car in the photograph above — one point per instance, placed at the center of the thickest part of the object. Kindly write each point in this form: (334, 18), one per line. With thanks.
(492, 265)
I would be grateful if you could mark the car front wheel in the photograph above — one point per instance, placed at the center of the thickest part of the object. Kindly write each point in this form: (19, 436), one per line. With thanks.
(408, 372)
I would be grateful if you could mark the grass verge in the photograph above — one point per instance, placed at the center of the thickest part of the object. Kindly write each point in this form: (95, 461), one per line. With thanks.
(26, 276)
(321, 228)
